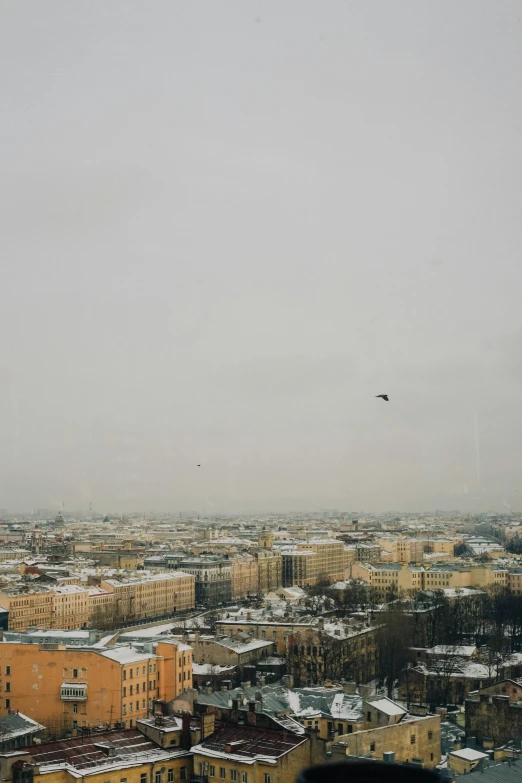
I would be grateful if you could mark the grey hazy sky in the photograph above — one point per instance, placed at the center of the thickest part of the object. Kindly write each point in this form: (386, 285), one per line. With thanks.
(227, 225)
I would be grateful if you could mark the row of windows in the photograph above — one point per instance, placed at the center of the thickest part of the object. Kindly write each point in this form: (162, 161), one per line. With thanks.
(234, 777)
(152, 668)
(152, 686)
(143, 707)
(158, 776)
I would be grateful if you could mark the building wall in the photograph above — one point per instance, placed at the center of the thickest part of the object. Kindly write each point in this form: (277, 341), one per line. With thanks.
(132, 774)
(28, 609)
(271, 632)
(300, 568)
(36, 674)
(245, 576)
(270, 565)
(284, 771)
(493, 717)
(397, 738)
(70, 608)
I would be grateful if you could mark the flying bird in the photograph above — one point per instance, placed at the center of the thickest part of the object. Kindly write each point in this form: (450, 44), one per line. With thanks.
(199, 466)
(383, 397)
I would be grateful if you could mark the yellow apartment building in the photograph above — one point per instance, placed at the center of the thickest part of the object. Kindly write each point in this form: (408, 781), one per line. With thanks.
(70, 607)
(64, 688)
(28, 607)
(153, 595)
(245, 575)
(270, 568)
(102, 758)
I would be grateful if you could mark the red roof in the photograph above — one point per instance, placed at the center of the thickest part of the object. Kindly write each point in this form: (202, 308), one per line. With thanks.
(250, 741)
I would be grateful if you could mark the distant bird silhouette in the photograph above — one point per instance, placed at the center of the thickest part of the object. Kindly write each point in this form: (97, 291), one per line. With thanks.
(383, 397)
(199, 466)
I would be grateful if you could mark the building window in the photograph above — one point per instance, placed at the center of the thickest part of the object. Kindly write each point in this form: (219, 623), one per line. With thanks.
(124, 674)
(143, 777)
(431, 756)
(369, 716)
(7, 671)
(412, 739)
(137, 706)
(75, 674)
(75, 708)
(372, 747)
(170, 776)
(124, 690)
(158, 777)
(233, 775)
(244, 777)
(131, 691)
(8, 704)
(340, 728)
(430, 735)
(222, 773)
(267, 778)
(212, 771)
(8, 686)
(123, 780)
(183, 773)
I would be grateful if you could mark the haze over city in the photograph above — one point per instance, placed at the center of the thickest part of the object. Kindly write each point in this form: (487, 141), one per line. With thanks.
(226, 227)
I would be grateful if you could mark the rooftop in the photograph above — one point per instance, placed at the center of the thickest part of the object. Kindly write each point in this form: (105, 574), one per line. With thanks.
(248, 744)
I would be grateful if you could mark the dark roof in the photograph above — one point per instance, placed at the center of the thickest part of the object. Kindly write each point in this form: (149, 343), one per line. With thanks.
(16, 723)
(497, 772)
(251, 741)
(82, 753)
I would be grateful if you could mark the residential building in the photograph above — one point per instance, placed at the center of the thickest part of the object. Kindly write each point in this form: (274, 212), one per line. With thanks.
(108, 756)
(265, 630)
(152, 595)
(238, 651)
(495, 712)
(299, 567)
(213, 578)
(70, 607)
(64, 687)
(270, 568)
(30, 606)
(331, 651)
(250, 754)
(245, 575)
(410, 739)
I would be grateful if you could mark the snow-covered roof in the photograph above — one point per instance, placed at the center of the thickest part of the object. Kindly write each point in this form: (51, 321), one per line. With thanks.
(462, 651)
(126, 655)
(387, 706)
(469, 754)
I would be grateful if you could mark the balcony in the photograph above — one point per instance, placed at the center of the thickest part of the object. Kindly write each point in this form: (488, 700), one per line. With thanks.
(73, 691)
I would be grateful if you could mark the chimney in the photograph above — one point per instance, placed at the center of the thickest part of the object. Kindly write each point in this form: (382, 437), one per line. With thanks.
(320, 624)
(389, 757)
(185, 731)
(288, 681)
(349, 687)
(208, 724)
(197, 634)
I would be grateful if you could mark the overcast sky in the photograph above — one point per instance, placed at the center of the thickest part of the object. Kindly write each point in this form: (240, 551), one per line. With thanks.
(227, 225)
